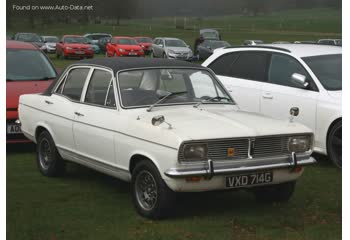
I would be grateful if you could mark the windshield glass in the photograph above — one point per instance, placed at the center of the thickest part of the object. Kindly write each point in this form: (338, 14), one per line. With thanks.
(328, 70)
(76, 40)
(142, 88)
(216, 44)
(24, 64)
(175, 43)
(127, 41)
(143, 40)
(28, 37)
(51, 39)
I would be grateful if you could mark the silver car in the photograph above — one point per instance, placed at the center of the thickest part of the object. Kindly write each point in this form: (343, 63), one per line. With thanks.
(50, 43)
(171, 48)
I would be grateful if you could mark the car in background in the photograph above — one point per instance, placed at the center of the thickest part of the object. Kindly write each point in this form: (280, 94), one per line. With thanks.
(165, 126)
(252, 42)
(30, 38)
(305, 42)
(145, 43)
(334, 42)
(75, 46)
(50, 43)
(269, 79)
(94, 37)
(281, 42)
(94, 46)
(124, 47)
(102, 44)
(208, 33)
(171, 48)
(206, 48)
(28, 70)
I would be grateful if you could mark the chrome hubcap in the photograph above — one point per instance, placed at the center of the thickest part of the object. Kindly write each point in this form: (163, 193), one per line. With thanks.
(146, 190)
(45, 154)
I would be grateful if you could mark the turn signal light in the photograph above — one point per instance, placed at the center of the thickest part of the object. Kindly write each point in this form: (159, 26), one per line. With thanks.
(193, 179)
(297, 169)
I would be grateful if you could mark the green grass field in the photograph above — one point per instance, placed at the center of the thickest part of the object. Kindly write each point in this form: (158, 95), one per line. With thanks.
(85, 204)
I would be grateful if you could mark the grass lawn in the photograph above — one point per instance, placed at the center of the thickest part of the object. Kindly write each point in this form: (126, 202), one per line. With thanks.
(85, 204)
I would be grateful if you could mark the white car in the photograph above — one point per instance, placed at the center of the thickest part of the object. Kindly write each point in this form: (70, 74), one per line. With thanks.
(269, 79)
(167, 126)
(50, 43)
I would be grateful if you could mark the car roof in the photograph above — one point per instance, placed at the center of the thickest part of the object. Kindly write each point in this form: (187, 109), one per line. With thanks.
(11, 44)
(299, 50)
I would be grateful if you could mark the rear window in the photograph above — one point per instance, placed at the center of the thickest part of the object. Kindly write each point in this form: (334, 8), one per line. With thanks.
(23, 64)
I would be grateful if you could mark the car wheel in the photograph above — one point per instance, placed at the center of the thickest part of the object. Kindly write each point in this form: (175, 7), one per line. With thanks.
(334, 144)
(49, 161)
(106, 54)
(115, 54)
(164, 55)
(152, 55)
(275, 193)
(152, 198)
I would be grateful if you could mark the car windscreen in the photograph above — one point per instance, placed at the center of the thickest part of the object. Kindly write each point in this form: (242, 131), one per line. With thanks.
(23, 64)
(76, 40)
(51, 39)
(28, 37)
(328, 70)
(126, 41)
(144, 40)
(142, 88)
(175, 43)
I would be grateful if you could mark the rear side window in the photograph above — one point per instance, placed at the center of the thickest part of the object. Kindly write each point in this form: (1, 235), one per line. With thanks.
(221, 66)
(73, 86)
(98, 87)
(250, 65)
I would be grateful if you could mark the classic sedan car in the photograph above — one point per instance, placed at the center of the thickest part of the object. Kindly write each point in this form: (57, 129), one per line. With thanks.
(166, 126)
(171, 48)
(306, 76)
(28, 70)
(124, 47)
(74, 46)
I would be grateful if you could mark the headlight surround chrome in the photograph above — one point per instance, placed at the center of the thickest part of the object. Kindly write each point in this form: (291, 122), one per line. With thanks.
(300, 144)
(195, 152)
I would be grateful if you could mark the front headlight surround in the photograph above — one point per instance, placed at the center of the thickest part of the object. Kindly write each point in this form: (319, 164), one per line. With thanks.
(300, 144)
(195, 152)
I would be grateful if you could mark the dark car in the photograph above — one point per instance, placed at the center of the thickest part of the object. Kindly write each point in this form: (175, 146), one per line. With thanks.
(28, 70)
(206, 48)
(102, 43)
(31, 38)
(333, 42)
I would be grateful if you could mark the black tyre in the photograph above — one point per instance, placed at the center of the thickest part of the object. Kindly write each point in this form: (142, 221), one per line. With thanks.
(115, 54)
(152, 198)
(152, 54)
(49, 161)
(334, 144)
(275, 193)
(165, 56)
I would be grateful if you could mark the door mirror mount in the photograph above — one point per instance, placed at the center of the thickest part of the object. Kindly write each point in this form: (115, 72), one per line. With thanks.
(299, 80)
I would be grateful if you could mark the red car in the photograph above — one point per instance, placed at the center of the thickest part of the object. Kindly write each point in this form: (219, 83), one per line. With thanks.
(145, 43)
(74, 46)
(124, 47)
(28, 70)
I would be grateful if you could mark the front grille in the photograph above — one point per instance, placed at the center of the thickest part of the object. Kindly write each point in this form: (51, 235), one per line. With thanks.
(267, 146)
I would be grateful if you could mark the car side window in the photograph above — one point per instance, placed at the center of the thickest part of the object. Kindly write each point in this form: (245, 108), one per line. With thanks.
(281, 69)
(98, 87)
(73, 86)
(221, 66)
(110, 98)
(250, 65)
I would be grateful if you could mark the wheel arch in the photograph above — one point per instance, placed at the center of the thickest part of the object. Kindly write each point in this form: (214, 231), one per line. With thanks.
(40, 128)
(138, 157)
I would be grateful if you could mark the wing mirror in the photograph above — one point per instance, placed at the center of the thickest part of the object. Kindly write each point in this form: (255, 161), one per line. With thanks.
(299, 80)
(157, 120)
(160, 45)
(294, 112)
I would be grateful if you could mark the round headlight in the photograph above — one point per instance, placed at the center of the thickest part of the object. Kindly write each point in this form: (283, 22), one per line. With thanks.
(195, 152)
(299, 144)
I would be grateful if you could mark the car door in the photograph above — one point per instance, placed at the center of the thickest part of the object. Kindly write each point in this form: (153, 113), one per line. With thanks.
(242, 73)
(155, 47)
(279, 94)
(62, 104)
(96, 119)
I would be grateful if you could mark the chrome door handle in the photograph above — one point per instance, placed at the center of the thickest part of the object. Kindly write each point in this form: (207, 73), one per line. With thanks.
(268, 96)
(79, 114)
(48, 102)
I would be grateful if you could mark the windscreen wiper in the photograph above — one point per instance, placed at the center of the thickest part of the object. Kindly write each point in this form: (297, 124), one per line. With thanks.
(164, 98)
(211, 99)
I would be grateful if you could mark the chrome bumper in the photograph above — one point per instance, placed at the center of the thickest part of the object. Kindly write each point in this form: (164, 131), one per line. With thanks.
(209, 169)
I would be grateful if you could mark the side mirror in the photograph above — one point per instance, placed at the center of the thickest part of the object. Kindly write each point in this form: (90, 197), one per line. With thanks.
(157, 120)
(299, 80)
(160, 45)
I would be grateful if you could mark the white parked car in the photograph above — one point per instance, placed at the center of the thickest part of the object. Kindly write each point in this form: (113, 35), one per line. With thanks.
(49, 43)
(166, 126)
(269, 79)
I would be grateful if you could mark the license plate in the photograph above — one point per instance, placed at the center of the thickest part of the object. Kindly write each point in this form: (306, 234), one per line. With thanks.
(132, 53)
(249, 179)
(79, 52)
(13, 129)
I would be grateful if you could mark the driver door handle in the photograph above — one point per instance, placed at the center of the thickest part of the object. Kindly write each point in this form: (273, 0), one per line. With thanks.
(267, 96)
